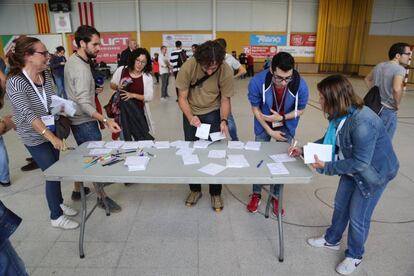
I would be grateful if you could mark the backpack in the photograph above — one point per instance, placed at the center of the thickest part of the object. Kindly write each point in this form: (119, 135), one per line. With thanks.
(182, 57)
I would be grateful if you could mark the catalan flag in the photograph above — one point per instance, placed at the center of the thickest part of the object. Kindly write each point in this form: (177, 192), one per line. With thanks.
(42, 18)
(86, 13)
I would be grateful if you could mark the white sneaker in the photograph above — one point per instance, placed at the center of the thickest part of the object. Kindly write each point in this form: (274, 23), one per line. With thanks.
(321, 242)
(68, 211)
(348, 265)
(64, 223)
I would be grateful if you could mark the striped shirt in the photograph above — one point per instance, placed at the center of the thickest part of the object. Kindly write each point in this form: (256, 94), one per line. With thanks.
(27, 106)
(176, 60)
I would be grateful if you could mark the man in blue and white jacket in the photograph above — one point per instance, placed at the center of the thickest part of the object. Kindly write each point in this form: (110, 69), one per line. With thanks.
(278, 97)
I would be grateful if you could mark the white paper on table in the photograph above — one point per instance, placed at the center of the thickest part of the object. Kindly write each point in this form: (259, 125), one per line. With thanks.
(130, 145)
(137, 163)
(251, 145)
(203, 131)
(145, 144)
(323, 151)
(190, 159)
(212, 169)
(216, 136)
(96, 144)
(162, 145)
(136, 168)
(181, 144)
(277, 168)
(175, 143)
(236, 161)
(97, 152)
(235, 145)
(282, 157)
(217, 154)
(62, 106)
(184, 151)
(114, 144)
(201, 144)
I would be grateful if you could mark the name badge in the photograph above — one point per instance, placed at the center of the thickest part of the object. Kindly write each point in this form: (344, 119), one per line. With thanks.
(277, 124)
(49, 122)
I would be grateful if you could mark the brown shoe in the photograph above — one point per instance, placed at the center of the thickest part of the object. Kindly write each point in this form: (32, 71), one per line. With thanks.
(192, 198)
(217, 203)
(30, 167)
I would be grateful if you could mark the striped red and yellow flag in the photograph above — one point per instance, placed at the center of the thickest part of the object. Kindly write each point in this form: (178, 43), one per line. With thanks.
(42, 18)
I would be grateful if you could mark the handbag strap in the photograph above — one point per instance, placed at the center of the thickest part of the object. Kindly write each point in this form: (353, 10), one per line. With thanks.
(203, 79)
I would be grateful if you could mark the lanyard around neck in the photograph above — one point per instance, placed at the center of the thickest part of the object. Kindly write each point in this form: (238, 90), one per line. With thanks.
(42, 97)
(275, 98)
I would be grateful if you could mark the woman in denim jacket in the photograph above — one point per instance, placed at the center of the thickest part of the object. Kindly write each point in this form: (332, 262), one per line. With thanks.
(363, 158)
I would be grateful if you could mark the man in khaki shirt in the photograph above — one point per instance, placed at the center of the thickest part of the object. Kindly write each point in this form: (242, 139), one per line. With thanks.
(205, 85)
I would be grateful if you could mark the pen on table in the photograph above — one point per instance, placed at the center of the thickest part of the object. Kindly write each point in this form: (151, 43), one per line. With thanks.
(259, 164)
(294, 145)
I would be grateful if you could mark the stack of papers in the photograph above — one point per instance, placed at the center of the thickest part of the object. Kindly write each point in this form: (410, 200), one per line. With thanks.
(212, 169)
(216, 136)
(235, 145)
(136, 163)
(114, 144)
(252, 145)
(162, 145)
(217, 154)
(130, 145)
(190, 159)
(201, 144)
(203, 131)
(283, 157)
(96, 144)
(324, 152)
(277, 168)
(236, 161)
(145, 144)
(62, 106)
(184, 151)
(98, 152)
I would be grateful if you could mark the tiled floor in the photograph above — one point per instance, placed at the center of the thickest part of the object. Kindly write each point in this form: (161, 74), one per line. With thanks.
(156, 234)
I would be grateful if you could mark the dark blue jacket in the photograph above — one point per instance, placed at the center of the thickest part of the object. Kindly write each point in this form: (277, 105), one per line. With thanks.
(9, 222)
(57, 68)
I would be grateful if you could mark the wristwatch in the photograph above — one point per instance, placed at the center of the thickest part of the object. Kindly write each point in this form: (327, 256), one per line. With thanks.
(283, 118)
(225, 120)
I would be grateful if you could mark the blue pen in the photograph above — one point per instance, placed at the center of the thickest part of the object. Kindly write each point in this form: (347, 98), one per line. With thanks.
(259, 164)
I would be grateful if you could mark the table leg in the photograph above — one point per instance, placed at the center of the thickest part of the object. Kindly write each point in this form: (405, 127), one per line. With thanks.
(269, 201)
(280, 225)
(83, 221)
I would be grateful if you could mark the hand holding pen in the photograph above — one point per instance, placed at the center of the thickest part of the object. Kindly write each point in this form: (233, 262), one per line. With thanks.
(294, 150)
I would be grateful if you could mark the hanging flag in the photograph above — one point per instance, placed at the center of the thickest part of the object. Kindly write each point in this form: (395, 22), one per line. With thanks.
(42, 18)
(86, 13)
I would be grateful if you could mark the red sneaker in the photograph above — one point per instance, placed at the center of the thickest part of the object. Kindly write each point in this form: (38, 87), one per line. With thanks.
(254, 203)
(275, 210)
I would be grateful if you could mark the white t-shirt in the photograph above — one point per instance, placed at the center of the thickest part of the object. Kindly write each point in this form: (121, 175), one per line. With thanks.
(232, 62)
(163, 62)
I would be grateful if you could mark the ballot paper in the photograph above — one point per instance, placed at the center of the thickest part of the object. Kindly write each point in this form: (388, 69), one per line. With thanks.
(217, 154)
(162, 145)
(236, 161)
(282, 157)
(114, 144)
(235, 145)
(203, 131)
(323, 151)
(190, 159)
(184, 151)
(130, 145)
(277, 168)
(180, 144)
(212, 169)
(137, 163)
(97, 152)
(145, 144)
(96, 144)
(62, 106)
(251, 145)
(216, 136)
(201, 144)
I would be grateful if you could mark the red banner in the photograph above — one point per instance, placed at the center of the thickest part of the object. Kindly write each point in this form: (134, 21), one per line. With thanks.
(111, 45)
(307, 40)
(261, 51)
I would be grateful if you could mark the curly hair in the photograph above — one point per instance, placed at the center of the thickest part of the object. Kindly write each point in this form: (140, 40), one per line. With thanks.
(210, 52)
(24, 46)
(135, 54)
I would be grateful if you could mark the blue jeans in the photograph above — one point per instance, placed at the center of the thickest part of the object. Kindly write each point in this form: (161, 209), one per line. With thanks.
(164, 85)
(60, 87)
(353, 208)
(4, 162)
(264, 137)
(389, 117)
(86, 132)
(45, 155)
(232, 128)
(10, 262)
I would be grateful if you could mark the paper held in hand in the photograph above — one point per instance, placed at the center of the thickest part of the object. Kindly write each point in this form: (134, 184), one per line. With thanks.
(324, 152)
(203, 131)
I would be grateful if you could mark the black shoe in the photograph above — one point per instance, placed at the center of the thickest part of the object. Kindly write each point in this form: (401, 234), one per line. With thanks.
(76, 196)
(29, 159)
(112, 205)
(5, 184)
(30, 167)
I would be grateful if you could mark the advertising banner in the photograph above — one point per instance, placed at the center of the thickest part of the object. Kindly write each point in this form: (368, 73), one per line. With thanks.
(267, 40)
(187, 39)
(261, 51)
(298, 51)
(51, 41)
(306, 40)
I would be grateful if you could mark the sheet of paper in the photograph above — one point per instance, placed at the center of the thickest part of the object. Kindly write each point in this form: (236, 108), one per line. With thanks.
(190, 159)
(251, 145)
(97, 152)
(217, 154)
(212, 169)
(96, 144)
(282, 157)
(145, 144)
(62, 106)
(203, 131)
(201, 144)
(235, 145)
(324, 152)
(136, 163)
(216, 136)
(277, 168)
(162, 145)
(130, 145)
(180, 144)
(114, 144)
(184, 151)
(236, 161)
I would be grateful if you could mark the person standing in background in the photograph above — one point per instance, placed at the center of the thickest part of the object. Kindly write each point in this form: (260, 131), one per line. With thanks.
(156, 68)
(165, 67)
(178, 57)
(132, 45)
(57, 64)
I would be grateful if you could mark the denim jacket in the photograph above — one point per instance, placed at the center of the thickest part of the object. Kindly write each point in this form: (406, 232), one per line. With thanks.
(9, 222)
(368, 153)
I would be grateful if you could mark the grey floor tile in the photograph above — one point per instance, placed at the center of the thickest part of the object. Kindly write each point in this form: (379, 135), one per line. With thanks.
(53, 271)
(33, 252)
(156, 272)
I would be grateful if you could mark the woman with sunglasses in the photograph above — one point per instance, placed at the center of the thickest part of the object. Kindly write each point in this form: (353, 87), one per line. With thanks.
(29, 87)
(364, 159)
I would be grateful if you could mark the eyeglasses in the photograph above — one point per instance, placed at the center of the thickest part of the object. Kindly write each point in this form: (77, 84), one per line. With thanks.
(140, 62)
(409, 53)
(44, 53)
(279, 79)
